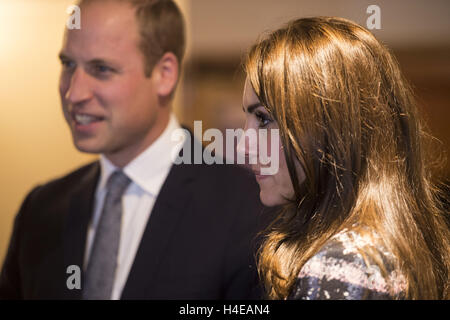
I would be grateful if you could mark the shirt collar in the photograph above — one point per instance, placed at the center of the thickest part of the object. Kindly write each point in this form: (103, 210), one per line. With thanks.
(149, 169)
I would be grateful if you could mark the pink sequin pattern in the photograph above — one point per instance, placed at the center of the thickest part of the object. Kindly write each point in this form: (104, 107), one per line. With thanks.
(338, 271)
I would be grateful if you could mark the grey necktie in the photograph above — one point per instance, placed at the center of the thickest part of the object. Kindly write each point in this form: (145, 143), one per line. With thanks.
(102, 263)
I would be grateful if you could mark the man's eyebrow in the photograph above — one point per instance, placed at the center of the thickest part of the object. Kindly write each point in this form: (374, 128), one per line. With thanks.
(252, 107)
(63, 56)
(98, 61)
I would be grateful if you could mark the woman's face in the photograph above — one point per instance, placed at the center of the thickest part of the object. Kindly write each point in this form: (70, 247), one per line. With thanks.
(275, 188)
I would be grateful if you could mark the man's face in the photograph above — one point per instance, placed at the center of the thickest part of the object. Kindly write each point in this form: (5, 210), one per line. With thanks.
(109, 104)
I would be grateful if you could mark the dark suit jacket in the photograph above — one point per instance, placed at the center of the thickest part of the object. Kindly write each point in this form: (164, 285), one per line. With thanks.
(199, 242)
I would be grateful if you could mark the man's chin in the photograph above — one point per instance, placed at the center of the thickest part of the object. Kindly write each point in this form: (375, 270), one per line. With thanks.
(88, 148)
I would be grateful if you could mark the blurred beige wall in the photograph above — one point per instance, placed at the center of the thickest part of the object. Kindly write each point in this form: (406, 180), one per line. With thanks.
(224, 28)
(35, 142)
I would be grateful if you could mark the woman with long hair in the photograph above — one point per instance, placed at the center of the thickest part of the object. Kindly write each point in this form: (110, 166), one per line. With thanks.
(359, 216)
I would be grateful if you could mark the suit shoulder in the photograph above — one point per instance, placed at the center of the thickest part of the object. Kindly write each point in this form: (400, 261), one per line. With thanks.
(67, 182)
(228, 173)
(46, 204)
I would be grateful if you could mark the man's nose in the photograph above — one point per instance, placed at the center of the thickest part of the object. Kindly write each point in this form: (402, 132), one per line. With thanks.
(79, 89)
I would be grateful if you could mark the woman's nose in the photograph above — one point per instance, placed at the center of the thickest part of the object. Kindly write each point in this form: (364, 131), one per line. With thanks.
(248, 145)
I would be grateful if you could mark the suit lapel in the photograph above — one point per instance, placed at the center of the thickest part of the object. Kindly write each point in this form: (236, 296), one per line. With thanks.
(81, 206)
(171, 203)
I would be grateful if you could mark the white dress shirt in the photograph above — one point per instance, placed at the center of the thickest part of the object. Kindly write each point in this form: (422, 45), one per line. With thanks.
(147, 172)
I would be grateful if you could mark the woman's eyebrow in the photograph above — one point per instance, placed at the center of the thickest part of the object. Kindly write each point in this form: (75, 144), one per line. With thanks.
(251, 107)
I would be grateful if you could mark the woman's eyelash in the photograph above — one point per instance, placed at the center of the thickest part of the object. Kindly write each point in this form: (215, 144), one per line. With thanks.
(263, 119)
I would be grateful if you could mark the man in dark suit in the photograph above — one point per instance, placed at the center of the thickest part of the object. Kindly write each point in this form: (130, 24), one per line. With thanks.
(186, 231)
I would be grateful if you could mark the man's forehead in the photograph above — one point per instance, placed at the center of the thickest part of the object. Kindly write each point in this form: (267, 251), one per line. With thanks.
(101, 32)
(107, 8)
(107, 19)
(99, 36)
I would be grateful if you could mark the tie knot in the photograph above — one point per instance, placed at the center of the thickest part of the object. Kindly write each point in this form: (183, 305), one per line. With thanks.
(117, 182)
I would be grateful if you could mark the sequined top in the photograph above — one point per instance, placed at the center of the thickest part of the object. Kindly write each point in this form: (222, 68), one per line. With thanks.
(339, 271)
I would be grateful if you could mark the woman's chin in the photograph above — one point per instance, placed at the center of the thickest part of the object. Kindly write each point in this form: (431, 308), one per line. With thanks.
(271, 199)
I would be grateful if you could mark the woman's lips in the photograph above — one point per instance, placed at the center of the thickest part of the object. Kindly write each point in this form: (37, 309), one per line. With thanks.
(258, 175)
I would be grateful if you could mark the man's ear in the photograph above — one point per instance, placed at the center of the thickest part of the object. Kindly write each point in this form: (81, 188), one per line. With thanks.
(167, 74)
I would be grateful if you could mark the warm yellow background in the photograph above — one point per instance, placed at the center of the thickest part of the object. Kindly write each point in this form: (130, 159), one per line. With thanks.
(34, 140)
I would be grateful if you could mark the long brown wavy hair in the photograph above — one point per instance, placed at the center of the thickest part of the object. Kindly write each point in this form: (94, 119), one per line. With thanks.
(347, 114)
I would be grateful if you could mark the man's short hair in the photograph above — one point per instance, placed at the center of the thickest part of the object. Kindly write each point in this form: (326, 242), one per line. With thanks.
(161, 28)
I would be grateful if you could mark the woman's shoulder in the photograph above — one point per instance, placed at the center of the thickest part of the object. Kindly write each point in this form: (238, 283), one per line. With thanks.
(345, 268)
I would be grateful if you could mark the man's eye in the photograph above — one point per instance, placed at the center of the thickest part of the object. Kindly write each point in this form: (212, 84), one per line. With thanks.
(67, 64)
(102, 69)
